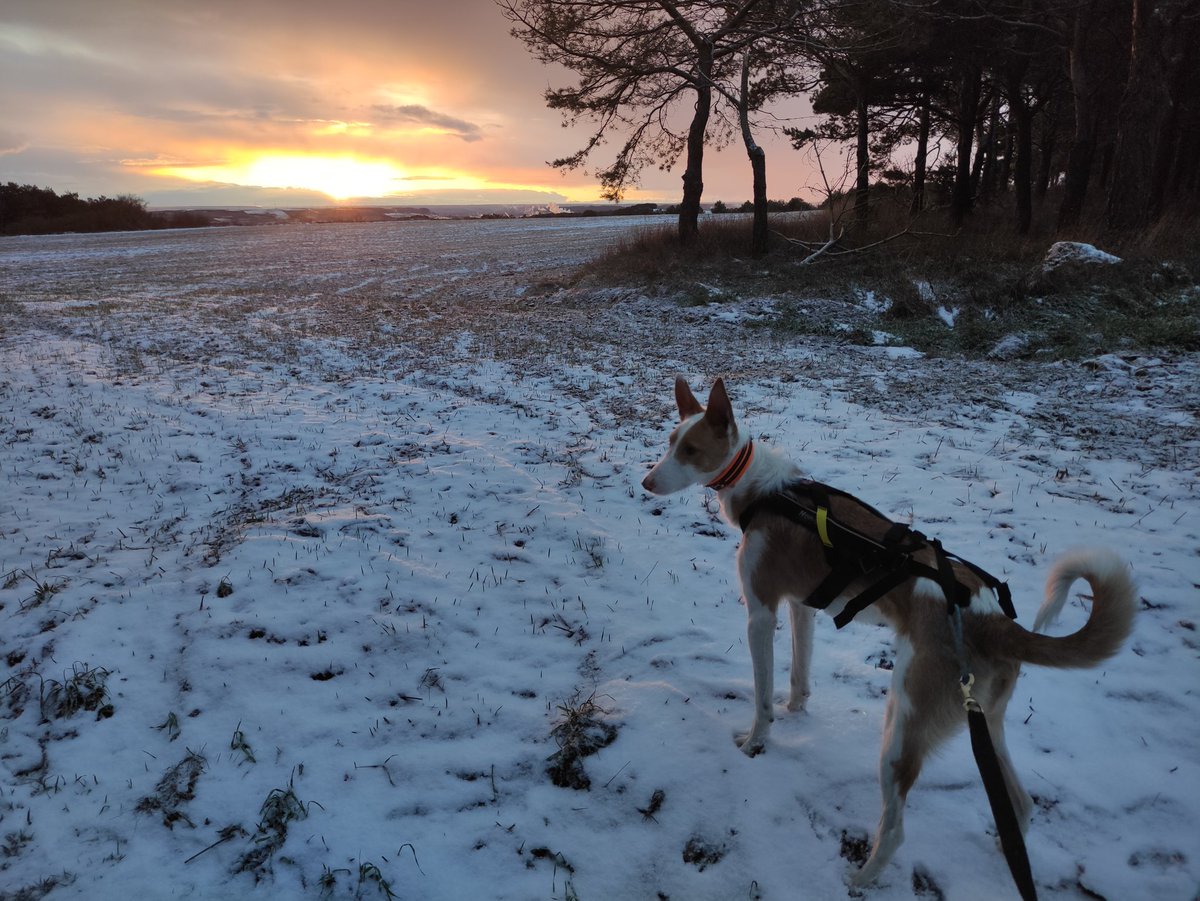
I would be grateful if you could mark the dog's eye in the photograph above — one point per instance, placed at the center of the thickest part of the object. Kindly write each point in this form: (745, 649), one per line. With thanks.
(688, 450)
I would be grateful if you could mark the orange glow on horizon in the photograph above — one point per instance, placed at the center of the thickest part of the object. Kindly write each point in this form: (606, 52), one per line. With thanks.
(348, 176)
(339, 177)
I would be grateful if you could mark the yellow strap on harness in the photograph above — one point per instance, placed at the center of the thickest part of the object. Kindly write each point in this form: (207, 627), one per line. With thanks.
(823, 526)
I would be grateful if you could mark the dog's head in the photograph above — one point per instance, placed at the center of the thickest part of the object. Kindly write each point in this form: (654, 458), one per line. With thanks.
(702, 444)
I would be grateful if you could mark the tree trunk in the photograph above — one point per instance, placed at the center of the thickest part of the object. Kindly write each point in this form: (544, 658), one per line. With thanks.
(1023, 166)
(1183, 177)
(1005, 174)
(1083, 148)
(1020, 141)
(981, 149)
(986, 162)
(918, 194)
(968, 110)
(1075, 185)
(862, 187)
(1172, 157)
(758, 167)
(759, 236)
(1186, 178)
(693, 173)
(1144, 112)
(1046, 150)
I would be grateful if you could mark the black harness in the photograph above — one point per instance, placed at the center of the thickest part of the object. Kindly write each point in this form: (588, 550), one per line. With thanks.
(886, 562)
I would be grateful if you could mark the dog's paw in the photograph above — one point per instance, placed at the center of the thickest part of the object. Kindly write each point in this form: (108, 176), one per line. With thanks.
(750, 744)
(859, 877)
(856, 850)
(798, 698)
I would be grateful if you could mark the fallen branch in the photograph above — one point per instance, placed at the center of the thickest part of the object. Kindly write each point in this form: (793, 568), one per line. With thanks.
(827, 247)
(824, 248)
(872, 244)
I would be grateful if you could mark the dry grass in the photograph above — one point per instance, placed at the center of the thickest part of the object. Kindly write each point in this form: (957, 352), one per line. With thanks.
(984, 269)
(989, 235)
(581, 731)
(83, 689)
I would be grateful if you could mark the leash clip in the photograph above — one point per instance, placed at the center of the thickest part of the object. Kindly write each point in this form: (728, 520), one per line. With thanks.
(969, 702)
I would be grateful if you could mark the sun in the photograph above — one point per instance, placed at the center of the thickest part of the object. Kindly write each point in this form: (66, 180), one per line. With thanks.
(338, 177)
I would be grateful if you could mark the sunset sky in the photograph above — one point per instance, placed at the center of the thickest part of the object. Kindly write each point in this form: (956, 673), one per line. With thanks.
(297, 102)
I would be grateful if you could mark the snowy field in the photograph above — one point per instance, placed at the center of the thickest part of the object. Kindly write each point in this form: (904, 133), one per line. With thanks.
(318, 543)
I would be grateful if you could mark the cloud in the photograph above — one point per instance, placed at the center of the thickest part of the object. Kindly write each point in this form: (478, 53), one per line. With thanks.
(503, 196)
(414, 114)
(162, 161)
(11, 143)
(217, 195)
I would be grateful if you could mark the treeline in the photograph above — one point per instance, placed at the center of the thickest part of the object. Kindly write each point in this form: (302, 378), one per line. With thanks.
(28, 210)
(1098, 97)
(795, 205)
(1095, 103)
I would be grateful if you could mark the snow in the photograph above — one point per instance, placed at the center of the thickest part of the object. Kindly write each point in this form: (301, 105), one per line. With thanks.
(948, 315)
(869, 301)
(343, 517)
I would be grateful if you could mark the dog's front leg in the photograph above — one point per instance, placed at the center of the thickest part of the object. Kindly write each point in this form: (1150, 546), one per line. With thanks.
(761, 634)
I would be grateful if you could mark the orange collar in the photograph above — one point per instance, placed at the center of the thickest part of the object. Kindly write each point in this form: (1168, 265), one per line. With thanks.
(735, 470)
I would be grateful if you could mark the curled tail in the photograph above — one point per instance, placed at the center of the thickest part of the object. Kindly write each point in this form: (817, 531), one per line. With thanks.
(1108, 625)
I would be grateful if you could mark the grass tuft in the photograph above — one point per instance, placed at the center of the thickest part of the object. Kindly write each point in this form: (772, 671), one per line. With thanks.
(170, 726)
(174, 789)
(43, 591)
(84, 689)
(580, 732)
(370, 875)
(239, 743)
(281, 808)
(703, 853)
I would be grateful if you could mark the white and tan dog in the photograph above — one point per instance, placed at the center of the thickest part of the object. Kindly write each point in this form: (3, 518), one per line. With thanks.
(779, 561)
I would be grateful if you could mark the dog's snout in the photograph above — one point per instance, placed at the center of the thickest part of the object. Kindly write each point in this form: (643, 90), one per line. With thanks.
(648, 483)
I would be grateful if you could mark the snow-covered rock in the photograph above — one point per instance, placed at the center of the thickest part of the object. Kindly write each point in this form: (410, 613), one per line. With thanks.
(1069, 263)
(1074, 253)
(1012, 347)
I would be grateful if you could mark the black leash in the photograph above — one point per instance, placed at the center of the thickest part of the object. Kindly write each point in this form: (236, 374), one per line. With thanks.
(1012, 842)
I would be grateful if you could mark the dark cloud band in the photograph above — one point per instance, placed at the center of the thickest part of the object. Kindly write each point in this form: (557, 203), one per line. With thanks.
(422, 115)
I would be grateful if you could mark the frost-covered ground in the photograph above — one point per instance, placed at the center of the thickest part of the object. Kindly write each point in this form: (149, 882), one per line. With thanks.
(312, 536)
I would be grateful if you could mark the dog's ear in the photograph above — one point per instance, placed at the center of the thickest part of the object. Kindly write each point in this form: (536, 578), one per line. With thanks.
(720, 410)
(688, 405)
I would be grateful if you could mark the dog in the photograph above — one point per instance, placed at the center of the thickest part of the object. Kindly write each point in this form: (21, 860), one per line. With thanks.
(780, 560)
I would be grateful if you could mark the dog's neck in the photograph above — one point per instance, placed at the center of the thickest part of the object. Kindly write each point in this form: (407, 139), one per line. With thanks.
(767, 470)
(736, 468)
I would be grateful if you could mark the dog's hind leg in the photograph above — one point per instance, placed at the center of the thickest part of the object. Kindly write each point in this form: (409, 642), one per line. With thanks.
(923, 710)
(899, 765)
(802, 643)
(760, 633)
